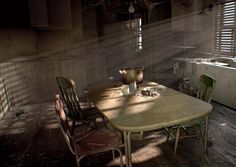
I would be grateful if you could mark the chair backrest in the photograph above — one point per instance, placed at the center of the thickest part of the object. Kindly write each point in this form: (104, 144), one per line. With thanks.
(90, 142)
(63, 122)
(68, 91)
(206, 88)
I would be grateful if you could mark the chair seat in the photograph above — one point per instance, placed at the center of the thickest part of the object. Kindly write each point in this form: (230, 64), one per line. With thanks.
(199, 121)
(89, 113)
(96, 141)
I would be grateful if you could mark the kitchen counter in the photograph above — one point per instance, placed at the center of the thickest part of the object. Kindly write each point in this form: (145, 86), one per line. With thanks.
(222, 70)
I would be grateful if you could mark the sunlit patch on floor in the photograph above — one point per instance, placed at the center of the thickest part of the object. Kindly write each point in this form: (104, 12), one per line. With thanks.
(223, 124)
(146, 153)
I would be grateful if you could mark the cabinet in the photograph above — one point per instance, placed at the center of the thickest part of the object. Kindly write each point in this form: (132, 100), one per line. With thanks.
(50, 14)
(38, 13)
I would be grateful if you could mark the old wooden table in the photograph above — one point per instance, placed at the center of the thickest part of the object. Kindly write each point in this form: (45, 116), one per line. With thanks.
(135, 113)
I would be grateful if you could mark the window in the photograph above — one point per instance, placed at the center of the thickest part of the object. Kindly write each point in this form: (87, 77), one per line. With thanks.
(135, 26)
(139, 34)
(224, 43)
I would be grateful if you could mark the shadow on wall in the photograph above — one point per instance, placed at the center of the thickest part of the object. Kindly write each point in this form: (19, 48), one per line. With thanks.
(4, 101)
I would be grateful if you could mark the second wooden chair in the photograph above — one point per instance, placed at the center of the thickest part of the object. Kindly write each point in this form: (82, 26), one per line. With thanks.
(205, 93)
(84, 115)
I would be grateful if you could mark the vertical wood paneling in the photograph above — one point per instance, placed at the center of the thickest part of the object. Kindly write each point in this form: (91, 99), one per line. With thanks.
(25, 90)
(96, 69)
(76, 70)
(8, 71)
(44, 80)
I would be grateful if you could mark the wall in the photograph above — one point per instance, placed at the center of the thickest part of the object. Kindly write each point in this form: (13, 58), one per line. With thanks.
(33, 79)
(196, 26)
(16, 43)
(47, 54)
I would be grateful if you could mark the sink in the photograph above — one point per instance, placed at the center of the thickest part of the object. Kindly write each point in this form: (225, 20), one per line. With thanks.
(216, 63)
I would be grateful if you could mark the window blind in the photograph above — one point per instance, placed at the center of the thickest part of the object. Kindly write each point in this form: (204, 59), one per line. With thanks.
(224, 43)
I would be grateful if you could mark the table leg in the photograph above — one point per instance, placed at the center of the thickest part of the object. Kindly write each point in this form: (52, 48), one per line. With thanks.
(176, 140)
(206, 138)
(128, 156)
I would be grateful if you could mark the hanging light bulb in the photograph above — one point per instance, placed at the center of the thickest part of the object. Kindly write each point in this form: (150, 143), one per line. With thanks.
(131, 7)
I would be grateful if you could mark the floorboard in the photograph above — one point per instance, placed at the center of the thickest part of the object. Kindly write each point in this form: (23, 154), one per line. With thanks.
(33, 139)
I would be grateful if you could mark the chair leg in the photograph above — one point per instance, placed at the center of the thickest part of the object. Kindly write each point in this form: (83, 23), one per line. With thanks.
(72, 127)
(209, 142)
(113, 155)
(168, 134)
(176, 141)
(104, 122)
(95, 124)
(78, 159)
(121, 157)
(141, 135)
(201, 133)
(206, 138)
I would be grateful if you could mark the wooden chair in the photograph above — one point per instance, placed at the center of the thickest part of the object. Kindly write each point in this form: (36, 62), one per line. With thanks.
(206, 88)
(84, 115)
(91, 142)
(205, 92)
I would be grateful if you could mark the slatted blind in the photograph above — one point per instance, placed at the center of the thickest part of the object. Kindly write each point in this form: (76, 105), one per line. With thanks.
(225, 28)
